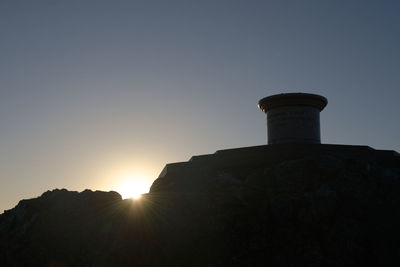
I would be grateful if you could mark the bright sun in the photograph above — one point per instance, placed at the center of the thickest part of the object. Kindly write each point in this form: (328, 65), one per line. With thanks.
(133, 188)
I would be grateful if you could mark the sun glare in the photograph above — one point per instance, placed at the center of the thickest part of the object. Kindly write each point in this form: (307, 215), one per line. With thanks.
(133, 188)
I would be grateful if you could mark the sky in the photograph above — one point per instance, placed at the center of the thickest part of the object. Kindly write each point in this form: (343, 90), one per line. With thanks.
(98, 94)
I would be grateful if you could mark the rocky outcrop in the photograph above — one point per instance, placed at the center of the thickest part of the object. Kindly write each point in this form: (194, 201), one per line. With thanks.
(281, 205)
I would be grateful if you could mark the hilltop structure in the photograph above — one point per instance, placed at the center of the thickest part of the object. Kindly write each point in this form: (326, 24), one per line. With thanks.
(293, 131)
(293, 118)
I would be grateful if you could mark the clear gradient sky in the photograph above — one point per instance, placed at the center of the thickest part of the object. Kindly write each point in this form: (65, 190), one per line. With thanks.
(93, 93)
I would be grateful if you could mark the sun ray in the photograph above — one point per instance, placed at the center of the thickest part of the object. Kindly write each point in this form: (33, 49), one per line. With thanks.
(133, 187)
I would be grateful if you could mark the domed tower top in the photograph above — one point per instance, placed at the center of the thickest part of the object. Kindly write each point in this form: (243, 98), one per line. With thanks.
(293, 117)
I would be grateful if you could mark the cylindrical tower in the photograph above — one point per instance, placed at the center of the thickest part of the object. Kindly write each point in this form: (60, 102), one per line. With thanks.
(293, 117)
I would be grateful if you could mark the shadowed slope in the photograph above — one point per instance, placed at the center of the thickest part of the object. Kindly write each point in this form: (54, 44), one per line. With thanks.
(283, 205)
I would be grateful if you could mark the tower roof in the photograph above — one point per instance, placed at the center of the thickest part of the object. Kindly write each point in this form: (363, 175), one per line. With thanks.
(292, 99)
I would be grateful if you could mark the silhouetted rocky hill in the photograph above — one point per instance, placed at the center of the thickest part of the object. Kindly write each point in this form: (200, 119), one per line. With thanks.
(276, 205)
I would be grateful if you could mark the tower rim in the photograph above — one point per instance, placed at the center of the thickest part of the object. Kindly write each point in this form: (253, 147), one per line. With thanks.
(292, 99)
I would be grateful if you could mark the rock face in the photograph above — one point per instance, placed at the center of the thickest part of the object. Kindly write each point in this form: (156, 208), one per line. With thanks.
(275, 205)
